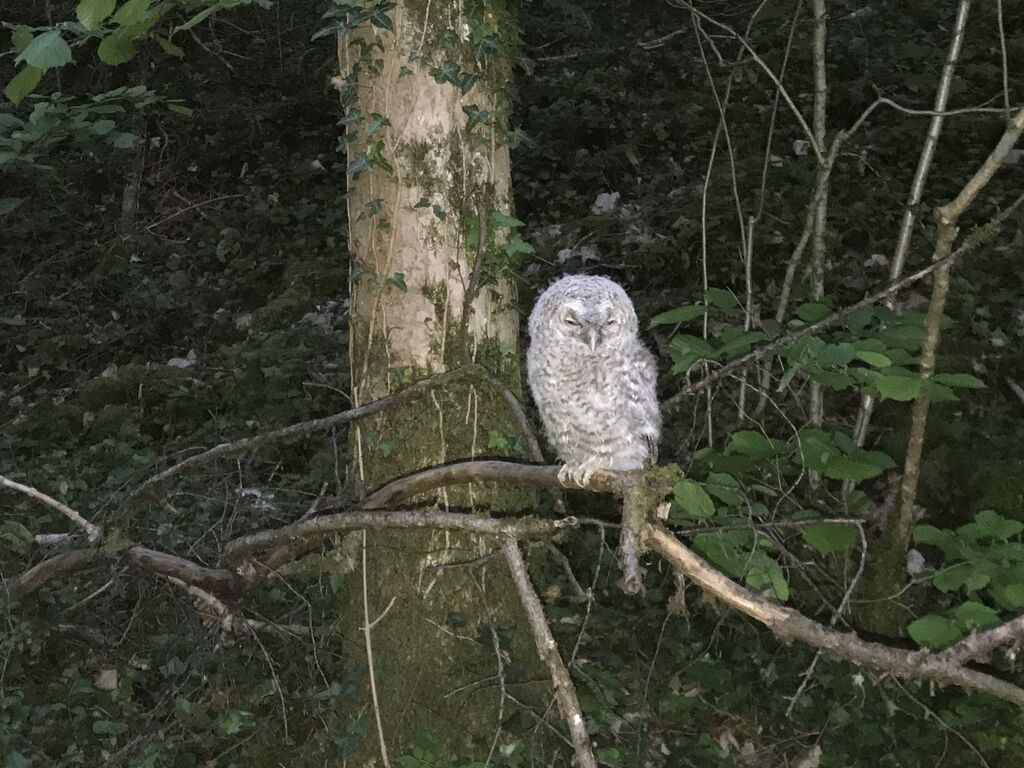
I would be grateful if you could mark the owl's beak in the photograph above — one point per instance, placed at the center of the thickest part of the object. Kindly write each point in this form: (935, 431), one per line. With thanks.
(592, 338)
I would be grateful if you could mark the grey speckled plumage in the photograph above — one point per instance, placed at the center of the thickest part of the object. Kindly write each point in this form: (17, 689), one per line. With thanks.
(593, 380)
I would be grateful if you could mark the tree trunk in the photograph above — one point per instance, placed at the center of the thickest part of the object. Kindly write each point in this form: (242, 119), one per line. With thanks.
(425, 89)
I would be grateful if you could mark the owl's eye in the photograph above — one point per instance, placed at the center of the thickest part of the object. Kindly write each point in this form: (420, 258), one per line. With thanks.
(610, 321)
(569, 320)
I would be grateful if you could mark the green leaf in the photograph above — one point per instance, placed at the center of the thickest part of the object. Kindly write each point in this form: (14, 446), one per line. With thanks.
(813, 312)
(23, 83)
(476, 116)
(504, 220)
(996, 526)
(971, 616)
(725, 488)
(116, 48)
(964, 380)
(679, 315)
(170, 48)
(91, 13)
(46, 51)
(180, 109)
(1009, 596)
(17, 537)
(901, 388)
(934, 631)
(422, 203)
(693, 499)
(721, 298)
(132, 12)
(8, 204)
(21, 36)
(686, 350)
(376, 123)
(929, 534)
(836, 355)
(876, 359)
(359, 163)
(381, 20)
(739, 343)
(830, 537)
(747, 442)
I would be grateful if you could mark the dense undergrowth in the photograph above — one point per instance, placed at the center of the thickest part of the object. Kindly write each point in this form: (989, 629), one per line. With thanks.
(215, 308)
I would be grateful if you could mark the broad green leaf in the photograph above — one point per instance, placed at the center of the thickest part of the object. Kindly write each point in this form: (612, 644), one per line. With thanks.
(901, 388)
(1009, 596)
(23, 83)
(836, 355)
(929, 534)
(845, 468)
(132, 12)
(693, 499)
(359, 163)
(876, 359)
(812, 312)
(679, 315)
(46, 51)
(747, 442)
(996, 526)
(517, 245)
(964, 380)
(91, 13)
(972, 615)
(504, 220)
(21, 36)
(116, 48)
(934, 631)
(830, 537)
(725, 488)
(739, 343)
(721, 298)
(16, 537)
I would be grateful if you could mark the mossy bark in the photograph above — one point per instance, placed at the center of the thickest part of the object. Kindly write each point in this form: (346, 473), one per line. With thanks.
(428, 179)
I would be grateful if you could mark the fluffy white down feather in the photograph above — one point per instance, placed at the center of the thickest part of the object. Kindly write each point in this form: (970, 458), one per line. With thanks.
(593, 380)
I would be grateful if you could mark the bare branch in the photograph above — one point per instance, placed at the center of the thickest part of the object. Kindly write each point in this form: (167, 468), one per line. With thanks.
(547, 649)
(979, 645)
(300, 537)
(93, 532)
(789, 625)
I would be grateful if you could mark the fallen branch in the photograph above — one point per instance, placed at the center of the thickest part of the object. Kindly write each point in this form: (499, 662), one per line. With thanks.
(788, 625)
(547, 649)
(93, 532)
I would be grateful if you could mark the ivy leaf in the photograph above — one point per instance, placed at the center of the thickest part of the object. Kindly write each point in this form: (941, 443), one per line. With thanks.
(422, 203)
(46, 51)
(830, 537)
(517, 245)
(91, 13)
(693, 499)
(359, 163)
(23, 83)
(476, 116)
(934, 631)
(504, 220)
(376, 123)
(679, 315)
(116, 48)
(381, 20)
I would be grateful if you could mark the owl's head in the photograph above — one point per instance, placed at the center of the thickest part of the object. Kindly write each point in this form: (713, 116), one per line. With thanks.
(590, 311)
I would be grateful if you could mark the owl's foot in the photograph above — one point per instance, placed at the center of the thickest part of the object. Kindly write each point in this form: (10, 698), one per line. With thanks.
(581, 473)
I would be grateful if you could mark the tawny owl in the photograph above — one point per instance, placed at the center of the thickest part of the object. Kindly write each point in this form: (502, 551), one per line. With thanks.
(592, 378)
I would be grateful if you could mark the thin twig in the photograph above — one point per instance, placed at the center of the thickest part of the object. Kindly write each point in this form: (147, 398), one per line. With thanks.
(547, 649)
(367, 636)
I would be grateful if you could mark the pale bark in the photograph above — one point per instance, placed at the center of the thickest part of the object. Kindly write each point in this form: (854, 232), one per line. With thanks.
(415, 274)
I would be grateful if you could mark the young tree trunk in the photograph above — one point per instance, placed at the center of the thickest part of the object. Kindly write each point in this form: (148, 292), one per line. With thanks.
(432, 249)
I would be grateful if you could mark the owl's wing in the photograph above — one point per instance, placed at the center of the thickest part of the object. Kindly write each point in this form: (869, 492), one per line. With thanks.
(642, 386)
